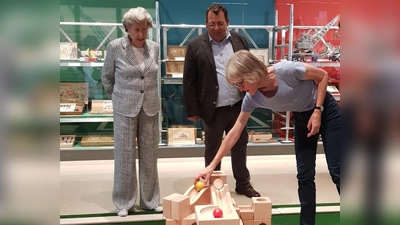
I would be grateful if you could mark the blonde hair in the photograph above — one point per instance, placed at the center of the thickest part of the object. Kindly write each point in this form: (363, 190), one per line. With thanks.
(244, 65)
(137, 15)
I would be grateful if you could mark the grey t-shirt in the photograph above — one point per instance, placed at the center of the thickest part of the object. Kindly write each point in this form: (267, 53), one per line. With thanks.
(294, 93)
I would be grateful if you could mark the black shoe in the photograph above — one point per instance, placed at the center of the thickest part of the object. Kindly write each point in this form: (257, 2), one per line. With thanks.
(248, 192)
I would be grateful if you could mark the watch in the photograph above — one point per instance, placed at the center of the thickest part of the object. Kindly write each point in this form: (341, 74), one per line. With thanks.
(319, 108)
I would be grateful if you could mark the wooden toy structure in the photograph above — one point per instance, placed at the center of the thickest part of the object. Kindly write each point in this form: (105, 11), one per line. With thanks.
(196, 207)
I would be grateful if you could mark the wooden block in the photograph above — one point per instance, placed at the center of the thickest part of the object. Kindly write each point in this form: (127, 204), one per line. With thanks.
(262, 207)
(218, 174)
(257, 222)
(246, 213)
(201, 198)
(169, 221)
(189, 220)
(247, 222)
(261, 222)
(234, 203)
(167, 205)
(267, 221)
(237, 209)
(180, 207)
(204, 216)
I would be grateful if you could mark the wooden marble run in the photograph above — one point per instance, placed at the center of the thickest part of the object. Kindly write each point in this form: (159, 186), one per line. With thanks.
(197, 207)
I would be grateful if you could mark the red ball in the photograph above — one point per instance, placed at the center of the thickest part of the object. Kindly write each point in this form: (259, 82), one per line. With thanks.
(217, 213)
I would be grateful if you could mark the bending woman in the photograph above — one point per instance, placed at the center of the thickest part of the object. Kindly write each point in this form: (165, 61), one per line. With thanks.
(288, 86)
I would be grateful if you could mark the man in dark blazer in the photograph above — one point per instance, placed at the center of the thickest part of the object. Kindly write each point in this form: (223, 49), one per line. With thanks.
(207, 94)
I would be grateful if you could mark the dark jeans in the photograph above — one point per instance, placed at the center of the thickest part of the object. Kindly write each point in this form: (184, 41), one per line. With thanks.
(223, 120)
(306, 149)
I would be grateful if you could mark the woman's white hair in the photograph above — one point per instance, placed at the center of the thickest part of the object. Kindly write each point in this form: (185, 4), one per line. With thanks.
(137, 15)
(243, 65)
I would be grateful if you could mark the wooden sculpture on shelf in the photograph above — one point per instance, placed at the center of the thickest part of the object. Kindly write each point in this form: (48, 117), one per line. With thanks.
(213, 205)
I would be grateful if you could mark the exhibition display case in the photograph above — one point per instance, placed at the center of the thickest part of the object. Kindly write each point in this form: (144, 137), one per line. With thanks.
(82, 53)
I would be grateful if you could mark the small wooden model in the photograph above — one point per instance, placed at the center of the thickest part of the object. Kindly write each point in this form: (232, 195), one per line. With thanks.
(198, 207)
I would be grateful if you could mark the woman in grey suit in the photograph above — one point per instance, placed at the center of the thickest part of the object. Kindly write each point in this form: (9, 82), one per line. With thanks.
(129, 77)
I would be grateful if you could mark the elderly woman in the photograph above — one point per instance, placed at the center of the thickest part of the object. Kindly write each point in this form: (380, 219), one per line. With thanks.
(129, 77)
(288, 86)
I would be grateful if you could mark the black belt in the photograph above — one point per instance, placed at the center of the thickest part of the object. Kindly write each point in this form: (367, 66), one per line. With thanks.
(231, 106)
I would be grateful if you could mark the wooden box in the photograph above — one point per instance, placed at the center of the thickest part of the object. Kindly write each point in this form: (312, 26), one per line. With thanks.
(261, 54)
(182, 126)
(72, 108)
(174, 69)
(176, 52)
(259, 137)
(102, 107)
(67, 141)
(181, 136)
(97, 140)
(73, 98)
(68, 51)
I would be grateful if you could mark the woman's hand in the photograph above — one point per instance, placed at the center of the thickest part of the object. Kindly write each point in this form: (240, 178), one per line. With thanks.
(314, 123)
(205, 174)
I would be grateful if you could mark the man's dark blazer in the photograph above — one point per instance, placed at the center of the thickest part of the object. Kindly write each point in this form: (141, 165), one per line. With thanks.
(200, 83)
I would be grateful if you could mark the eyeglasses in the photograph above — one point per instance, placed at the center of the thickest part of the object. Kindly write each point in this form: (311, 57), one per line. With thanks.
(238, 84)
(219, 24)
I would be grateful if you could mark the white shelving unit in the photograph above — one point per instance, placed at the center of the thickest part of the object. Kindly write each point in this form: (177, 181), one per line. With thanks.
(106, 152)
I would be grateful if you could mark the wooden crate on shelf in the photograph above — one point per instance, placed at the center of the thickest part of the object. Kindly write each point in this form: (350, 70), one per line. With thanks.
(73, 98)
(182, 136)
(176, 52)
(261, 54)
(97, 140)
(72, 108)
(102, 107)
(174, 69)
(260, 137)
(67, 141)
(68, 51)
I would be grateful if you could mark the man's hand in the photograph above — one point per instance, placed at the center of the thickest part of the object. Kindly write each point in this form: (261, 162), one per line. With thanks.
(193, 118)
(314, 123)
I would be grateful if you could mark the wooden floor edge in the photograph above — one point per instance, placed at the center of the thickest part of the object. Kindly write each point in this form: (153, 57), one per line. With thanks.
(111, 219)
(296, 210)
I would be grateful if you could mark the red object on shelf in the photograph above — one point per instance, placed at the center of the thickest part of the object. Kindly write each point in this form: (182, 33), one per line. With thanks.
(217, 213)
(92, 59)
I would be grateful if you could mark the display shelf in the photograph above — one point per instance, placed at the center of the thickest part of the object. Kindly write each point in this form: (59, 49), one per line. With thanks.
(321, 63)
(81, 63)
(87, 117)
(107, 153)
(324, 64)
(78, 147)
(171, 80)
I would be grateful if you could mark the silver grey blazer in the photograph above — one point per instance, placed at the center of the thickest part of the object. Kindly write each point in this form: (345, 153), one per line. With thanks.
(125, 83)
